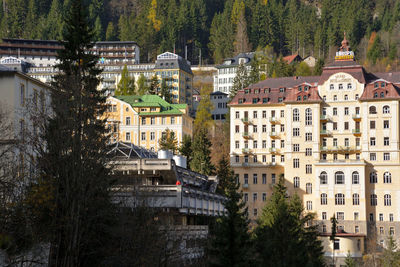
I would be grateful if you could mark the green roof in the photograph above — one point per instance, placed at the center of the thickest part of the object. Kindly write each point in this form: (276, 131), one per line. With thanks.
(152, 101)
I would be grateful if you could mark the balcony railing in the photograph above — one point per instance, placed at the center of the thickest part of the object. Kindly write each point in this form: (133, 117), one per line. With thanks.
(246, 151)
(357, 131)
(356, 116)
(273, 134)
(325, 117)
(246, 135)
(245, 120)
(273, 150)
(245, 185)
(273, 119)
(325, 132)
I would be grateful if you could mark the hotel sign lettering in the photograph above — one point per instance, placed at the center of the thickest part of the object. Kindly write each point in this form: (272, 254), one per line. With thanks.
(340, 78)
(344, 55)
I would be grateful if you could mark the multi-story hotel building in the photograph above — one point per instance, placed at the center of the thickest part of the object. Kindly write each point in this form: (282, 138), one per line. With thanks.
(335, 139)
(141, 120)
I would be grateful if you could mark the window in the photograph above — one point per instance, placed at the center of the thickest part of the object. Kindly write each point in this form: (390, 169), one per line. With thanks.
(308, 168)
(273, 178)
(264, 144)
(381, 217)
(374, 200)
(143, 137)
(324, 228)
(336, 244)
(386, 109)
(324, 199)
(254, 197)
(22, 95)
(254, 144)
(346, 97)
(264, 114)
(356, 229)
(308, 116)
(339, 178)
(346, 142)
(386, 124)
(237, 145)
(296, 131)
(308, 136)
(255, 159)
(152, 136)
(255, 114)
(356, 216)
(387, 178)
(246, 197)
(323, 215)
(386, 141)
(237, 116)
(237, 130)
(172, 120)
(334, 126)
(387, 200)
(356, 199)
(282, 113)
(296, 163)
(296, 147)
(255, 180)
(282, 158)
(264, 128)
(128, 120)
(372, 141)
(340, 86)
(255, 212)
(264, 178)
(372, 124)
(346, 111)
(282, 143)
(346, 125)
(246, 178)
(237, 159)
(264, 197)
(386, 156)
(391, 217)
(372, 156)
(127, 136)
(334, 111)
(308, 151)
(372, 110)
(143, 121)
(282, 128)
(391, 231)
(323, 178)
(381, 230)
(254, 128)
(308, 188)
(371, 217)
(296, 182)
(355, 178)
(296, 115)
(309, 205)
(339, 199)
(349, 86)
(331, 87)
(335, 98)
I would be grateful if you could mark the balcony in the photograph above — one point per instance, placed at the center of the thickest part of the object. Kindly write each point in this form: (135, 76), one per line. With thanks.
(356, 117)
(271, 164)
(357, 132)
(273, 134)
(246, 151)
(246, 120)
(340, 149)
(274, 150)
(246, 135)
(325, 118)
(325, 132)
(273, 120)
(245, 185)
(246, 165)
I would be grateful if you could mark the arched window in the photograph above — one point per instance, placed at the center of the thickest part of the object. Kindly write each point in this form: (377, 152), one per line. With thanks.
(387, 200)
(331, 86)
(373, 178)
(339, 178)
(372, 110)
(296, 115)
(308, 116)
(309, 188)
(296, 182)
(349, 86)
(323, 178)
(355, 178)
(387, 178)
(356, 199)
(339, 199)
(340, 86)
(374, 200)
(324, 199)
(386, 109)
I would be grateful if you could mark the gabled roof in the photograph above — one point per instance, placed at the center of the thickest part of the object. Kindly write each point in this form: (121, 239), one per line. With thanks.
(170, 60)
(152, 101)
(291, 58)
(235, 60)
(383, 91)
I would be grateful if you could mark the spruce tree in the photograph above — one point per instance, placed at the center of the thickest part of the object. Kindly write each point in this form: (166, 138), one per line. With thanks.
(111, 33)
(168, 141)
(391, 255)
(240, 81)
(165, 91)
(281, 236)
(186, 148)
(203, 113)
(230, 245)
(201, 161)
(74, 160)
(142, 85)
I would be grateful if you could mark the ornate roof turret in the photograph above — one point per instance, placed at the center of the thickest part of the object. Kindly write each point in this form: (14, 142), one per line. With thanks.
(345, 44)
(344, 53)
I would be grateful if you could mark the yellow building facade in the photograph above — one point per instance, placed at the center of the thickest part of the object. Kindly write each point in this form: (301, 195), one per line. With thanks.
(141, 120)
(335, 139)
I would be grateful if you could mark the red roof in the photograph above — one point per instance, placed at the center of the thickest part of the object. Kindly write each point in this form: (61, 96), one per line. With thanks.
(291, 58)
(380, 90)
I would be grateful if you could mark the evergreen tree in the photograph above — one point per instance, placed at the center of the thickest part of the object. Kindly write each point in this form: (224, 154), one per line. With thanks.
(111, 32)
(74, 161)
(186, 148)
(54, 22)
(254, 75)
(349, 261)
(240, 81)
(142, 87)
(126, 85)
(203, 113)
(165, 91)
(303, 69)
(230, 245)
(201, 161)
(281, 238)
(318, 67)
(98, 30)
(333, 236)
(168, 141)
(153, 88)
(31, 21)
(391, 255)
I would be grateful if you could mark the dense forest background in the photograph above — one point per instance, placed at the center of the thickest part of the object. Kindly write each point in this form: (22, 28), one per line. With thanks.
(215, 29)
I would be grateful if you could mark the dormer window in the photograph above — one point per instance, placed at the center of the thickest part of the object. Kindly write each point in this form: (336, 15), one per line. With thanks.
(346, 97)
(246, 91)
(349, 86)
(300, 89)
(240, 100)
(376, 85)
(299, 98)
(375, 95)
(280, 99)
(331, 86)
(357, 96)
(335, 97)
(265, 100)
(340, 86)
(383, 84)
(305, 88)
(255, 100)
(382, 94)
(305, 97)
(256, 91)
(282, 89)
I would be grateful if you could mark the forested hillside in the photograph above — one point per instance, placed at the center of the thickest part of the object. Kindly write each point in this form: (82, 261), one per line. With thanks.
(221, 28)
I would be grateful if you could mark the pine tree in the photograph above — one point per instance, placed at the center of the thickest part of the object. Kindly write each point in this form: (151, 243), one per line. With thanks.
(241, 42)
(31, 21)
(318, 67)
(186, 148)
(168, 141)
(98, 30)
(153, 88)
(74, 162)
(111, 32)
(126, 85)
(201, 161)
(230, 245)
(165, 91)
(54, 22)
(281, 238)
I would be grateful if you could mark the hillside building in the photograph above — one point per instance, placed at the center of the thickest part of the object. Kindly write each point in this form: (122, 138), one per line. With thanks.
(335, 139)
(141, 120)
